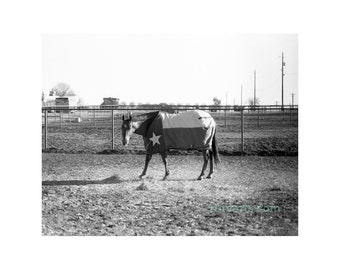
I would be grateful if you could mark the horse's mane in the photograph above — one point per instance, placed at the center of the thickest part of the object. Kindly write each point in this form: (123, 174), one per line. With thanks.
(144, 126)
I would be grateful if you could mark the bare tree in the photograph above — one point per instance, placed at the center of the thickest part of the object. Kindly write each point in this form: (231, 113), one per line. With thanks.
(62, 90)
(217, 101)
(251, 101)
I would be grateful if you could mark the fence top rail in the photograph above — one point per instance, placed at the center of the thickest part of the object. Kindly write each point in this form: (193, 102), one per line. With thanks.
(175, 107)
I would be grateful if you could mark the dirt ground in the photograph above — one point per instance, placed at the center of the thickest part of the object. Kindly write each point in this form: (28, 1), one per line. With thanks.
(89, 194)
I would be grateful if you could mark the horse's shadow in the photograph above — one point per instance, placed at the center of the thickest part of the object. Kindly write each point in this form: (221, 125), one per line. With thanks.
(179, 180)
(114, 179)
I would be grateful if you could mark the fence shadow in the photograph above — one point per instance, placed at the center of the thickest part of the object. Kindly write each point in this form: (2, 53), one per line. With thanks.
(114, 179)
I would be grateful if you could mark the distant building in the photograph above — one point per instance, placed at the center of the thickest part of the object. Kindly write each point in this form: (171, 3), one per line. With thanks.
(49, 101)
(71, 101)
(61, 102)
(108, 102)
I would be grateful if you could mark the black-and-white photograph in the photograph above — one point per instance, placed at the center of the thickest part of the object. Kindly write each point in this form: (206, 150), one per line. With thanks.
(170, 134)
(183, 134)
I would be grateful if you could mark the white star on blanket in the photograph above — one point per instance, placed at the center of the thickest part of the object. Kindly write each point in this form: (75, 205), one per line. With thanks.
(155, 139)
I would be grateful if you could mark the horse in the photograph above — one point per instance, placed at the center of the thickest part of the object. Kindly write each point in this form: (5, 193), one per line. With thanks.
(162, 132)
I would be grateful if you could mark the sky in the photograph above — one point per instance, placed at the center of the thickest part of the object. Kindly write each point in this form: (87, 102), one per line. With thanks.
(175, 69)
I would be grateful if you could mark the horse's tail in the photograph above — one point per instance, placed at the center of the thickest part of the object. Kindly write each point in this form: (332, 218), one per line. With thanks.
(215, 149)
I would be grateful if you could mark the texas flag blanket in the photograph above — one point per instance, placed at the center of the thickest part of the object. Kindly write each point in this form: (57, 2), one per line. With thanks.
(191, 130)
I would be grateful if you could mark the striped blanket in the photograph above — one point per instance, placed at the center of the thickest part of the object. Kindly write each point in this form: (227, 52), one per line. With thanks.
(192, 130)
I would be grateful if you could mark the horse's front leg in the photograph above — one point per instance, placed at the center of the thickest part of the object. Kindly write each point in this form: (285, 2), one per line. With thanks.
(147, 160)
(167, 172)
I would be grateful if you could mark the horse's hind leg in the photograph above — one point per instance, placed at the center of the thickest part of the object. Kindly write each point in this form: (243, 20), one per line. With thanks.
(211, 164)
(205, 158)
(167, 172)
(147, 160)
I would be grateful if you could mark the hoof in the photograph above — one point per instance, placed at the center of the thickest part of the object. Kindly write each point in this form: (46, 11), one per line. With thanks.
(141, 176)
(209, 176)
(166, 176)
(199, 178)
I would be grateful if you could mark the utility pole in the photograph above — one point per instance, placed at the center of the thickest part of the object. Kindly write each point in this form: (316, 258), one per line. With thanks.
(282, 74)
(241, 93)
(254, 88)
(293, 99)
(225, 111)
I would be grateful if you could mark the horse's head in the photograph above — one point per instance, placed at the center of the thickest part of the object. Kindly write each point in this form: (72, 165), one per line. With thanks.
(127, 130)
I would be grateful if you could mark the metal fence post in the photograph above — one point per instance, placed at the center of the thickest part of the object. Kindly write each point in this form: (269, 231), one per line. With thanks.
(225, 117)
(94, 117)
(242, 131)
(60, 114)
(112, 128)
(258, 117)
(290, 116)
(45, 142)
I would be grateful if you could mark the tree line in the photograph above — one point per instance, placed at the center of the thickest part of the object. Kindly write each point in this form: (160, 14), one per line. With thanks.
(62, 89)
